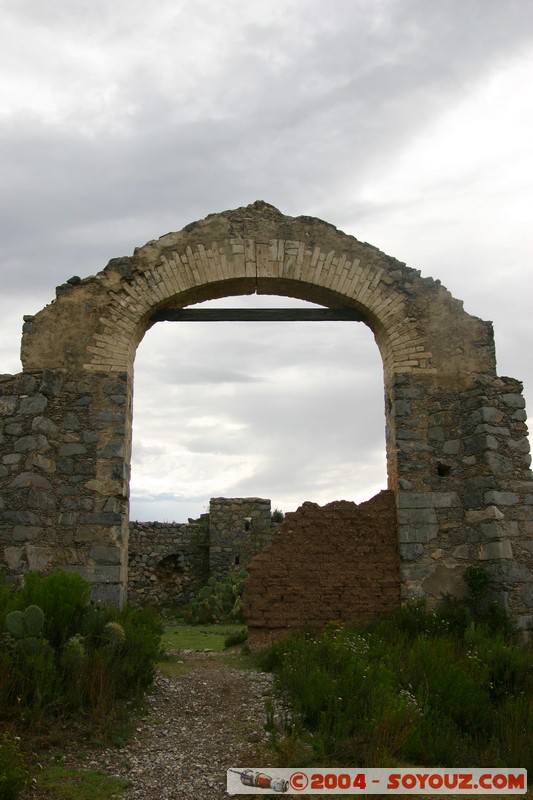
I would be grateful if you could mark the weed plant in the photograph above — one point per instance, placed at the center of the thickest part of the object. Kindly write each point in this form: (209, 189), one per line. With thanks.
(451, 688)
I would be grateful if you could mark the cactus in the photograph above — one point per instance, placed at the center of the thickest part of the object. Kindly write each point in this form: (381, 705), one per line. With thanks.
(73, 654)
(34, 620)
(15, 624)
(114, 634)
(25, 624)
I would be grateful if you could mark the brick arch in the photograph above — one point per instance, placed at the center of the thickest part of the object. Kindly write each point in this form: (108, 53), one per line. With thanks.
(257, 249)
(457, 449)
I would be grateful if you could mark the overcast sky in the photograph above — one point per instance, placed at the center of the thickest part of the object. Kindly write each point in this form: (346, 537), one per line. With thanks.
(407, 123)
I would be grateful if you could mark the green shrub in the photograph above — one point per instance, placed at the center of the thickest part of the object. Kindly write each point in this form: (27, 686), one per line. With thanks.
(410, 688)
(77, 657)
(13, 774)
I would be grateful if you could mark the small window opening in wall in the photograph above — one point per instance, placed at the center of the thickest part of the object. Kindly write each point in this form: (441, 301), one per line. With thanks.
(237, 560)
(443, 470)
(247, 523)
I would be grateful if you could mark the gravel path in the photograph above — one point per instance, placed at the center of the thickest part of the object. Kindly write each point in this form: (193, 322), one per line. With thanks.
(198, 724)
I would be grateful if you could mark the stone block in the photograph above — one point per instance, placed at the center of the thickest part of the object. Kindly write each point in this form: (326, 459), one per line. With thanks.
(44, 425)
(514, 400)
(476, 445)
(38, 557)
(451, 447)
(51, 383)
(33, 405)
(484, 514)
(501, 498)
(494, 530)
(25, 533)
(14, 557)
(72, 449)
(30, 479)
(101, 518)
(105, 555)
(37, 443)
(495, 550)
(422, 500)
(526, 593)
(410, 552)
(14, 429)
(410, 534)
(8, 405)
(111, 450)
(519, 445)
(112, 594)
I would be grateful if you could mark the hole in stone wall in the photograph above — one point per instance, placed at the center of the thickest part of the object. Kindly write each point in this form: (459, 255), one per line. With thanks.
(443, 470)
(169, 571)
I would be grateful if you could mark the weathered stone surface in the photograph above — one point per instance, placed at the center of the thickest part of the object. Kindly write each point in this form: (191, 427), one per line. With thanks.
(496, 550)
(444, 580)
(26, 479)
(105, 555)
(502, 498)
(38, 443)
(33, 405)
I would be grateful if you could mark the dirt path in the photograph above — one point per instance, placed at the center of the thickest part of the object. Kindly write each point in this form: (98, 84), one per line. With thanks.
(199, 723)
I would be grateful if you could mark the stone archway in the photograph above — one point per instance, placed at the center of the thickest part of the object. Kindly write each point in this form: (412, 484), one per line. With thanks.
(457, 448)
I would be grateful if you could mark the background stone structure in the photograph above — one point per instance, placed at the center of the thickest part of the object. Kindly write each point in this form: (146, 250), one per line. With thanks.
(336, 563)
(169, 562)
(457, 449)
(239, 528)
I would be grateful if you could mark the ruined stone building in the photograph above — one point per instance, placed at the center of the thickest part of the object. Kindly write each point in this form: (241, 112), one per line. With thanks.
(169, 562)
(458, 458)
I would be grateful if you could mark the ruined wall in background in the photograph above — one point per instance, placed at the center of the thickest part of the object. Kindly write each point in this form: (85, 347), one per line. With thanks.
(336, 563)
(239, 528)
(168, 562)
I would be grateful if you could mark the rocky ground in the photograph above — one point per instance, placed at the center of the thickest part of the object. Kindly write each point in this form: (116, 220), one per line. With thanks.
(199, 723)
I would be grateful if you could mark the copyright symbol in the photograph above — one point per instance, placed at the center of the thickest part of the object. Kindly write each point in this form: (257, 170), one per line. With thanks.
(299, 781)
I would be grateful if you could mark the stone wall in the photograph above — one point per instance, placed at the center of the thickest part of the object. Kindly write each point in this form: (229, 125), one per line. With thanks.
(168, 563)
(63, 477)
(338, 563)
(239, 528)
(466, 494)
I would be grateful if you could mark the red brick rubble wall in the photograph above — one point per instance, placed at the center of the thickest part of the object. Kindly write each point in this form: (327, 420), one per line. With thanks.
(336, 563)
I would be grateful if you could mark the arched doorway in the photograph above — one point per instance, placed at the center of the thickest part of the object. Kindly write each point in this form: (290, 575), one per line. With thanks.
(457, 448)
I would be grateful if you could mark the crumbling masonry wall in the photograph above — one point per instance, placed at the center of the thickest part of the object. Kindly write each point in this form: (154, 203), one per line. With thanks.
(337, 563)
(169, 562)
(239, 528)
(457, 447)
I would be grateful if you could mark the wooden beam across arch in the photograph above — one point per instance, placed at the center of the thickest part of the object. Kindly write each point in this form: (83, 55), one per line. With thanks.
(257, 315)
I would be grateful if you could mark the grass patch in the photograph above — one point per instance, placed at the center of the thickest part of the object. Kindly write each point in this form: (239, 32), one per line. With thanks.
(65, 783)
(198, 637)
